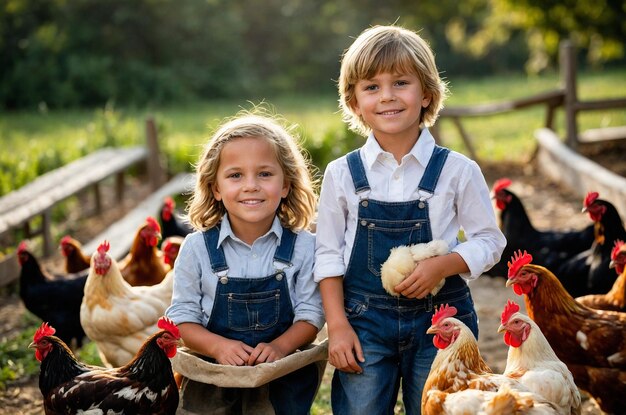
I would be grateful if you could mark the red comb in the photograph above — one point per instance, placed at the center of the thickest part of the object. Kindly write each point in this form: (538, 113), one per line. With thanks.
(518, 260)
(104, 247)
(444, 311)
(23, 246)
(502, 183)
(43, 331)
(590, 198)
(166, 245)
(618, 246)
(510, 308)
(153, 223)
(165, 323)
(169, 202)
(66, 239)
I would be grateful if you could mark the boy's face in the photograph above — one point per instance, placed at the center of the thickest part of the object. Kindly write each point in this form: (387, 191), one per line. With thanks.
(391, 105)
(250, 182)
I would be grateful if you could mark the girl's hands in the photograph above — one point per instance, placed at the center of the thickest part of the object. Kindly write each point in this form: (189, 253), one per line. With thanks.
(344, 349)
(232, 352)
(264, 352)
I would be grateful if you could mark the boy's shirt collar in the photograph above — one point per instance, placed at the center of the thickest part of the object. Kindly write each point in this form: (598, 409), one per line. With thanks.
(421, 151)
(226, 231)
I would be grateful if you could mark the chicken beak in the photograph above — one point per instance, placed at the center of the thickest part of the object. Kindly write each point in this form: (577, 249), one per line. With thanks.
(612, 264)
(584, 209)
(32, 345)
(432, 330)
(501, 328)
(509, 282)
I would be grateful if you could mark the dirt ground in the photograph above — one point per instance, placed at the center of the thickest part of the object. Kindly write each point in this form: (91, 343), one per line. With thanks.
(548, 204)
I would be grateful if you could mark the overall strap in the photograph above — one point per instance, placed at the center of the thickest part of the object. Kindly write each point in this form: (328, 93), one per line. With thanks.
(357, 171)
(433, 169)
(284, 251)
(216, 255)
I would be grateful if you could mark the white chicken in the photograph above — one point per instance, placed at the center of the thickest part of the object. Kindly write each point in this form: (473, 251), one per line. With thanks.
(534, 364)
(117, 316)
(403, 259)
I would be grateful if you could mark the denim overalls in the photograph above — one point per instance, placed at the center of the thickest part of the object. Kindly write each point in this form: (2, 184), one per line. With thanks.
(391, 330)
(256, 310)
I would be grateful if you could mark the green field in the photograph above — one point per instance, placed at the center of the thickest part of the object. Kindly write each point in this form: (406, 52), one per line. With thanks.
(37, 141)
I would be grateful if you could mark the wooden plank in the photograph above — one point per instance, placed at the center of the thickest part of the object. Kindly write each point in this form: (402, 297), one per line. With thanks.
(9, 269)
(122, 232)
(603, 134)
(579, 173)
(43, 183)
(553, 98)
(52, 188)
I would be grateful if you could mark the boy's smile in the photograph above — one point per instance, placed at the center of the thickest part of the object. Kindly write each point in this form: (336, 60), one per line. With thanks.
(250, 182)
(391, 105)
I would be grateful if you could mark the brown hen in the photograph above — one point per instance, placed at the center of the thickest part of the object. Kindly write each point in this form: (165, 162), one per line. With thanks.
(144, 264)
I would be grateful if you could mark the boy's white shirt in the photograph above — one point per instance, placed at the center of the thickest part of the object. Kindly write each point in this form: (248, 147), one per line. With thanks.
(461, 199)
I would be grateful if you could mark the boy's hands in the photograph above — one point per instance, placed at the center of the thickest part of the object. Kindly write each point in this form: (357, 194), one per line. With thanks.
(232, 352)
(344, 349)
(429, 272)
(422, 280)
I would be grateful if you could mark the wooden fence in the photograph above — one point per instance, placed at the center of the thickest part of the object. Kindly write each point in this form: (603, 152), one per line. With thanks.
(566, 97)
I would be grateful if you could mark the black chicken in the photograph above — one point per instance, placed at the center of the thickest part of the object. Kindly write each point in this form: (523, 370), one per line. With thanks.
(589, 271)
(548, 248)
(55, 299)
(171, 225)
(144, 386)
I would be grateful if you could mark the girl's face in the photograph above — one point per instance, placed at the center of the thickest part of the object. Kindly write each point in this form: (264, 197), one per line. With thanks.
(251, 184)
(391, 105)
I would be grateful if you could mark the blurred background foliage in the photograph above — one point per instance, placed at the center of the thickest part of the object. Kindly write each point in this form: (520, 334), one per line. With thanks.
(84, 53)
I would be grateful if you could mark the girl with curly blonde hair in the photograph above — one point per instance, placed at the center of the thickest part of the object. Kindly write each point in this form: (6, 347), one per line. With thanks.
(243, 282)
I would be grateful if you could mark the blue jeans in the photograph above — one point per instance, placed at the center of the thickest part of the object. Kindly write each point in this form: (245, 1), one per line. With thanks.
(397, 351)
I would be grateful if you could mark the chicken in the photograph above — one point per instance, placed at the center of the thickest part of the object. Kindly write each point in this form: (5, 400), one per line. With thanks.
(592, 343)
(548, 247)
(144, 386)
(616, 298)
(459, 367)
(479, 402)
(170, 248)
(170, 223)
(589, 272)
(117, 316)
(144, 264)
(75, 259)
(53, 298)
(534, 364)
(403, 259)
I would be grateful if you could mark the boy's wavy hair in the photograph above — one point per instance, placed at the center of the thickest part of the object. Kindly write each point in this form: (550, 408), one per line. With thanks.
(390, 49)
(296, 211)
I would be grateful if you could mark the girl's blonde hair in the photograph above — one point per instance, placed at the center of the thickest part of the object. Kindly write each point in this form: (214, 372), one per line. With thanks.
(296, 211)
(390, 49)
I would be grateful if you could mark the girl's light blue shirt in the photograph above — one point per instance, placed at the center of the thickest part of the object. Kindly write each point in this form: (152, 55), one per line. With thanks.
(195, 283)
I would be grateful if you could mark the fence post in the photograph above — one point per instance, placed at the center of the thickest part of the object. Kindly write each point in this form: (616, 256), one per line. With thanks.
(156, 173)
(567, 57)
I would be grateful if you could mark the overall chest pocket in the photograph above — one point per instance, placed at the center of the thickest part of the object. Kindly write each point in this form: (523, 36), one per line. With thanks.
(253, 311)
(382, 235)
